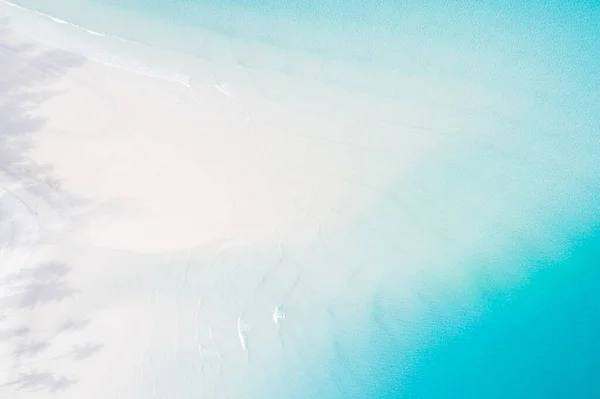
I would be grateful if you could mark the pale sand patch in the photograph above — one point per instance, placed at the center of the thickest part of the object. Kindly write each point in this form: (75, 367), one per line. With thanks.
(183, 167)
(168, 229)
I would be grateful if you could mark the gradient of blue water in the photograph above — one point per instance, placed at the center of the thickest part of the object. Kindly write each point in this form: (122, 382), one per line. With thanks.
(536, 338)
(531, 186)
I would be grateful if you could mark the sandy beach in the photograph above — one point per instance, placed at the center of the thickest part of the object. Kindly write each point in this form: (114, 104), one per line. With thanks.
(141, 211)
(175, 226)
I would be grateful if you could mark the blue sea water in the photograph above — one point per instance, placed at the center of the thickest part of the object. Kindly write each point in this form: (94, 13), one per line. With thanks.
(512, 206)
(536, 340)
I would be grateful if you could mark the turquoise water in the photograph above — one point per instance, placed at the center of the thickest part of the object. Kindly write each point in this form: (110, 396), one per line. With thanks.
(499, 232)
(537, 340)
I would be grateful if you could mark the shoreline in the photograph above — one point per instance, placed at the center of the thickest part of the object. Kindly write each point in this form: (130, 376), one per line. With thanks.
(85, 46)
(218, 59)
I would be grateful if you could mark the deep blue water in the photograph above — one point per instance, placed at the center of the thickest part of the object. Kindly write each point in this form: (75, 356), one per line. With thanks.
(536, 340)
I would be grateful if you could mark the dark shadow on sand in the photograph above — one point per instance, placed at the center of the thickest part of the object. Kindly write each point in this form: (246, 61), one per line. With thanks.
(45, 284)
(31, 287)
(41, 381)
(27, 73)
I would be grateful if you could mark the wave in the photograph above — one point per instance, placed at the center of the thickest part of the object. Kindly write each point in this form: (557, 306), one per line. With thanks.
(58, 20)
(127, 63)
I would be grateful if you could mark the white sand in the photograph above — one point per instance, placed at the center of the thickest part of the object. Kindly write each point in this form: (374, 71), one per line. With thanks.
(149, 230)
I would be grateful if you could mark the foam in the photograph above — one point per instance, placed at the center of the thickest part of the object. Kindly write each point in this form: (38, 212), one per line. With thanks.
(101, 53)
(55, 19)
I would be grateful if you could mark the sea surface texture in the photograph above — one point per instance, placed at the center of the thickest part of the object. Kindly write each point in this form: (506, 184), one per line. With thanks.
(459, 255)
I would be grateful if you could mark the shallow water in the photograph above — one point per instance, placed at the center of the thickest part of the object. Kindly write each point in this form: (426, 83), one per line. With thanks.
(473, 273)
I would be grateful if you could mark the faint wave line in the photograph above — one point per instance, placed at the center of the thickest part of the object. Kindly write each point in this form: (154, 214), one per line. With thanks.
(137, 68)
(60, 21)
